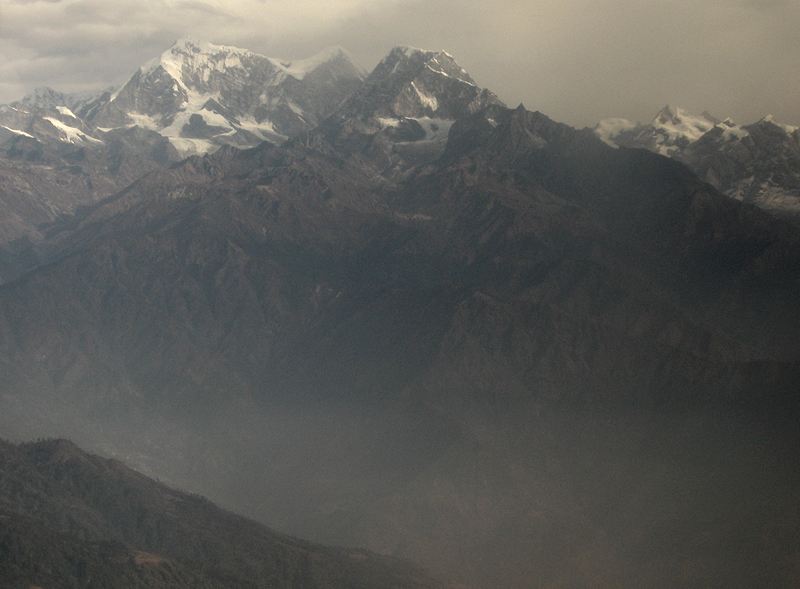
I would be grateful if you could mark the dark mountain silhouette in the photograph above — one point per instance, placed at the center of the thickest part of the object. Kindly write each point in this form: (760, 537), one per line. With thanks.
(70, 519)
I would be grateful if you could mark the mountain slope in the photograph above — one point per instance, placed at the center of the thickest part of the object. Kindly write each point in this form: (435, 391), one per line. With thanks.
(72, 517)
(55, 163)
(402, 113)
(399, 357)
(433, 326)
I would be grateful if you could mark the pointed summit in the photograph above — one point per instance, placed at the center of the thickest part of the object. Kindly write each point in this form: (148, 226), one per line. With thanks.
(667, 115)
(334, 60)
(409, 63)
(414, 83)
(677, 116)
(675, 128)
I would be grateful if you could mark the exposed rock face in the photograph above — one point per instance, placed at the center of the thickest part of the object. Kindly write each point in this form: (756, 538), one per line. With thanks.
(414, 83)
(403, 112)
(758, 163)
(57, 164)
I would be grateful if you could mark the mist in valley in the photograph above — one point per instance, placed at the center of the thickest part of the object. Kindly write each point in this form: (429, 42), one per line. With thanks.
(545, 497)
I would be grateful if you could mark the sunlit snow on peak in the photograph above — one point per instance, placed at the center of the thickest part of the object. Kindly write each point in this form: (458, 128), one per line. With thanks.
(677, 123)
(66, 112)
(787, 128)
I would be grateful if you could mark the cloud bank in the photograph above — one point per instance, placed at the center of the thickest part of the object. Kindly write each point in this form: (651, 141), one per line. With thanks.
(576, 61)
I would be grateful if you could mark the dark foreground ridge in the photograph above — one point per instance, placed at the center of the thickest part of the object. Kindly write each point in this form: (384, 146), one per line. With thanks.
(71, 519)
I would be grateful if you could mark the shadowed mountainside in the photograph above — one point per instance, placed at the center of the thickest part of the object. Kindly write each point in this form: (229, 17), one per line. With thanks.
(71, 519)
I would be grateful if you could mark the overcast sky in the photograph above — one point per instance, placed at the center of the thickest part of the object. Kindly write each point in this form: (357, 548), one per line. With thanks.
(577, 61)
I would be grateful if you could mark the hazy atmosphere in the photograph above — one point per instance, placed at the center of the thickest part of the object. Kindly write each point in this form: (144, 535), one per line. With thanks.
(394, 313)
(577, 62)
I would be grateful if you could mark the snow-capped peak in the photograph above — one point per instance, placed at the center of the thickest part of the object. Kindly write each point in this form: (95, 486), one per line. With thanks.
(789, 129)
(44, 97)
(409, 62)
(196, 56)
(679, 118)
(676, 124)
(201, 95)
(405, 54)
(667, 115)
(407, 50)
(670, 131)
(731, 131)
(189, 58)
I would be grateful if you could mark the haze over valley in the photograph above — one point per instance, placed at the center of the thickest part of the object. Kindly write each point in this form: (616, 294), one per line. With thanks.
(384, 310)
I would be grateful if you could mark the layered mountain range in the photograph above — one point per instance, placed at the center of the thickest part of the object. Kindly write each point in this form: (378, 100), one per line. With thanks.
(62, 152)
(418, 321)
(757, 163)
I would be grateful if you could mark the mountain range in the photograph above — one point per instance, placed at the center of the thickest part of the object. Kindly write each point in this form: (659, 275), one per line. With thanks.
(755, 163)
(412, 319)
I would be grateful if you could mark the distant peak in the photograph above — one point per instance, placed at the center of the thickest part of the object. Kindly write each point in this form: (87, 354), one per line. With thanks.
(667, 114)
(670, 115)
(192, 53)
(407, 50)
(46, 97)
(299, 68)
(769, 119)
(193, 45)
(189, 43)
(409, 62)
(43, 91)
